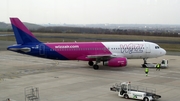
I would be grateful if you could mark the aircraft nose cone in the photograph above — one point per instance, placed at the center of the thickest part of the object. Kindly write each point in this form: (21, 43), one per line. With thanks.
(163, 52)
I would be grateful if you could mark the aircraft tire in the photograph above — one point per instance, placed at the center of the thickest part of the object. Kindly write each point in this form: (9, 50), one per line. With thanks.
(143, 65)
(96, 67)
(91, 63)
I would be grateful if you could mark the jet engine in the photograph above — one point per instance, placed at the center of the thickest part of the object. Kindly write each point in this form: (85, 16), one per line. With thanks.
(116, 62)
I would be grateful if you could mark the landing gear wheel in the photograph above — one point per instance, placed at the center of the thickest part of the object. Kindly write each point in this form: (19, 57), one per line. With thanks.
(126, 96)
(96, 67)
(91, 63)
(146, 99)
(143, 65)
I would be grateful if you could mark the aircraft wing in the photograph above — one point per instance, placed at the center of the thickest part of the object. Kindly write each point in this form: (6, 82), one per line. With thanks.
(104, 56)
(99, 56)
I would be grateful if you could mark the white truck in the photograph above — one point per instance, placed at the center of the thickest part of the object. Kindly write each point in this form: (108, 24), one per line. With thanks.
(164, 64)
(127, 91)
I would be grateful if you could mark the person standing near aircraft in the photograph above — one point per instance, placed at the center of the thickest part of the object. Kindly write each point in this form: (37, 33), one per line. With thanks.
(158, 66)
(146, 71)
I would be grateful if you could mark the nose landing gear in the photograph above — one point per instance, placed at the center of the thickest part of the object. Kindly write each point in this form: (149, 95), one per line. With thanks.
(145, 62)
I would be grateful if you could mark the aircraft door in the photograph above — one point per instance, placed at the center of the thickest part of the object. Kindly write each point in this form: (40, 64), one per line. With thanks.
(147, 49)
(41, 49)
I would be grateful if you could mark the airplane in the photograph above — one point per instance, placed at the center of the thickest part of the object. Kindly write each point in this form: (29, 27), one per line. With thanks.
(112, 54)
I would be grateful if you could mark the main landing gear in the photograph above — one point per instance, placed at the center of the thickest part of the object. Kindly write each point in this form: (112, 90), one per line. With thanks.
(95, 66)
(90, 63)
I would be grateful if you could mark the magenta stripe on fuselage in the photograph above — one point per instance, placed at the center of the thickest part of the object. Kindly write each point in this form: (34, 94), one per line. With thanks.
(16, 22)
(78, 50)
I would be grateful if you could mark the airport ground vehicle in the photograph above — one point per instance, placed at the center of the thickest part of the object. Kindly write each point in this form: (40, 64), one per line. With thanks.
(164, 64)
(125, 90)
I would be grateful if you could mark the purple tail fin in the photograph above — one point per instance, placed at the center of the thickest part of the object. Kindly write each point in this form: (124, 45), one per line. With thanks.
(22, 34)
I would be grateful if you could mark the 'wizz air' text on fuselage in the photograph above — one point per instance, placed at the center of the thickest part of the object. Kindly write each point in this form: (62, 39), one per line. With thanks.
(131, 48)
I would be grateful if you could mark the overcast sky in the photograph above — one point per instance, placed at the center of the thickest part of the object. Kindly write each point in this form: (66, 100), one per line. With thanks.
(92, 11)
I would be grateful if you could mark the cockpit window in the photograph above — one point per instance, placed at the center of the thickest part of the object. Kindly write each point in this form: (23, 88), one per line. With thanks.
(157, 47)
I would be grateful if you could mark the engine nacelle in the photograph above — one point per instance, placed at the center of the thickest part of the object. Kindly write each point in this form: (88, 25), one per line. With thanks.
(116, 62)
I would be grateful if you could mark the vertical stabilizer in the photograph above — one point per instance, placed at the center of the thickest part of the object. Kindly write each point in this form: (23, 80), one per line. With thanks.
(22, 34)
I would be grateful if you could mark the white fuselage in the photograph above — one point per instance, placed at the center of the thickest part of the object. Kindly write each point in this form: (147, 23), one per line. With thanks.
(135, 50)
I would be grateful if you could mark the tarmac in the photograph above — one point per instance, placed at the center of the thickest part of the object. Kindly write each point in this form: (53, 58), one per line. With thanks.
(76, 81)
